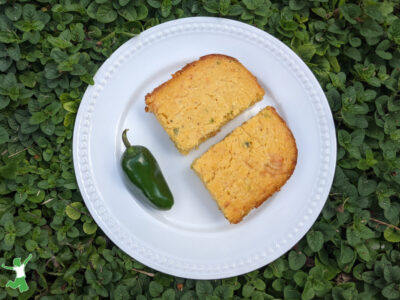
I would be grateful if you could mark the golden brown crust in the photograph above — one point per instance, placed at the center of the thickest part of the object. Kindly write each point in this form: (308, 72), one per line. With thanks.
(190, 65)
(182, 100)
(249, 165)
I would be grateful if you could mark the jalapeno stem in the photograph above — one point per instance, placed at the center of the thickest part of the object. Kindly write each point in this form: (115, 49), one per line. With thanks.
(125, 139)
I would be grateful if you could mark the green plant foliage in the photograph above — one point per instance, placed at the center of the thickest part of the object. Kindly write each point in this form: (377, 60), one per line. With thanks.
(49, 52)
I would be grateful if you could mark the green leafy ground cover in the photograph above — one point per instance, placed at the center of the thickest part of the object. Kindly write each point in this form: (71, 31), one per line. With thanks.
(49, 51)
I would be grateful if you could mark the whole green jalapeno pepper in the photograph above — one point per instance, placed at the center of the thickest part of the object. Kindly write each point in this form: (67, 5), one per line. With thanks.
(144, 172)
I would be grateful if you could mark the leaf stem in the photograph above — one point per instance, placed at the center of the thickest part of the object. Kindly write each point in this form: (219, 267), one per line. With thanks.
(384, 223)
(18, 152)
(143, 272)
(47, 201)
(128, 34)
(108, 36)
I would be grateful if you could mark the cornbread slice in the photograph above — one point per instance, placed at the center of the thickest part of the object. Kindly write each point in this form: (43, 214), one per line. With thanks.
(199, 99)
(249, 165)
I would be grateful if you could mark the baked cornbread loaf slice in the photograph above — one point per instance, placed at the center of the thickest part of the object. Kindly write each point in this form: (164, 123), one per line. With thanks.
(200, 98)
(249, 165)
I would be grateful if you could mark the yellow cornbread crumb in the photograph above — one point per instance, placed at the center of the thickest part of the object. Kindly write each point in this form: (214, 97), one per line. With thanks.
(249, 165)
(199, 99)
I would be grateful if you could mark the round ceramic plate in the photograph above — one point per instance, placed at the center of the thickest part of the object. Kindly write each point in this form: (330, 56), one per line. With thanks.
(193, 239)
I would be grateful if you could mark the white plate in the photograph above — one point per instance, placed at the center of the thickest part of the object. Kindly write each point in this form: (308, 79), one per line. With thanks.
(193, 239)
